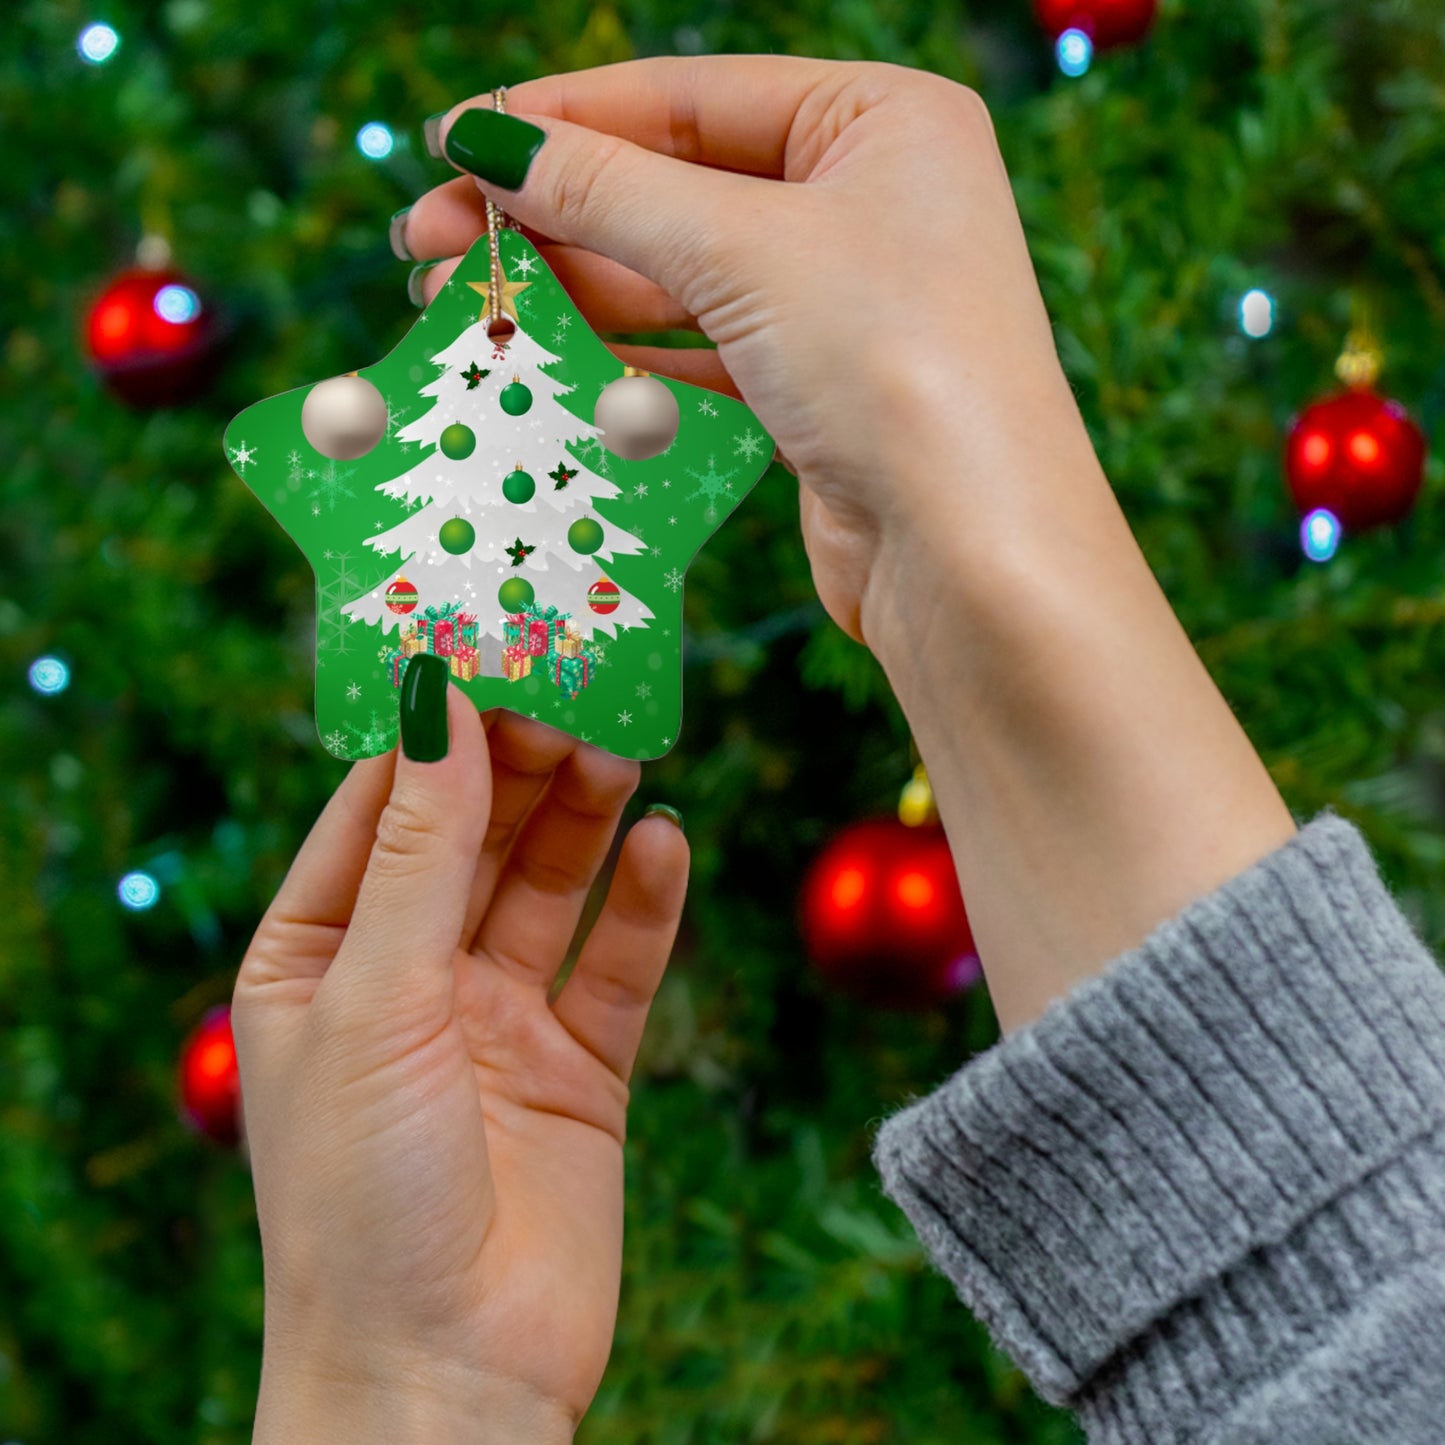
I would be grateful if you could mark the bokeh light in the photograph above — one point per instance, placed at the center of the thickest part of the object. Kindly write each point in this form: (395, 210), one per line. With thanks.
(177, 304)
(1319, 535)
(49, 675)
(375, 140)
(138, 891)
(1256, 313)
(1075, 52)
(97, 43)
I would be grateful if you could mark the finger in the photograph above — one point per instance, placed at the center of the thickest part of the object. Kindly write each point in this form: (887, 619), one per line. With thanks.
(428, 278)
(299, 932)
(447, 220)
(525, 754)
(698, 365)
(605, 1001)
(551, 866)
(734, 112)
(660, 217)
(407, 923)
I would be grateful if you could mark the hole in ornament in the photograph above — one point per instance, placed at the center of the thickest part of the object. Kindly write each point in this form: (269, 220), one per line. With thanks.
(501, 329)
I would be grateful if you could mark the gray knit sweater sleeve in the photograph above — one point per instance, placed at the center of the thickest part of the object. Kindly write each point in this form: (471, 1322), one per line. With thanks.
(1201, 1200)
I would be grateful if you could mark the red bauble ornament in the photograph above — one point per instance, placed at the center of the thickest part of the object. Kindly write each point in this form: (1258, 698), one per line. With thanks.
(401, 597)
(152, 338)
(883, 918)
(1358, 455)
(209, 1081)
(1106, 22)
(604, 597)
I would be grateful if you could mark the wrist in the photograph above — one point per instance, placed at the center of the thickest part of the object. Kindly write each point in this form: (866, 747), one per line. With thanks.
(398, 1402)
(991, 497)
(1091, 778)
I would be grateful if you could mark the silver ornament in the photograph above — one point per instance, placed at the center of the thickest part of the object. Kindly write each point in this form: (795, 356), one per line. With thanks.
(344, 417)
(638, 416)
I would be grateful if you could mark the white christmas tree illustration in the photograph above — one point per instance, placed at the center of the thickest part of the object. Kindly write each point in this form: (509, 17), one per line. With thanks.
(514, 498)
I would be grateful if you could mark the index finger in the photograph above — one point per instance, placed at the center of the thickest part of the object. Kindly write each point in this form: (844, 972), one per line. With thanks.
(733, 112)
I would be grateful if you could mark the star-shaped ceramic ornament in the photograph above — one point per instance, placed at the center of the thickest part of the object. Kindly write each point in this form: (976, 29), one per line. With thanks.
(491, 526)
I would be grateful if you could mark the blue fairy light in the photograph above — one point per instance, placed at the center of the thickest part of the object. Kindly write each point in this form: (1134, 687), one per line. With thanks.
(1319, 535)
(1256, 313)
(375, 140)
(138, 891)
(49, 675)
(177, 304)
(97, 43)
(1075, 52)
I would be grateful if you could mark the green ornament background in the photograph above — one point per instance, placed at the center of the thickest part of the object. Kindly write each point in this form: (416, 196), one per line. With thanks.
(674, 502)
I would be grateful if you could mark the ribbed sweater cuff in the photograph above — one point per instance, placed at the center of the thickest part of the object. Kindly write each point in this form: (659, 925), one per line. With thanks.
(1178, 1156)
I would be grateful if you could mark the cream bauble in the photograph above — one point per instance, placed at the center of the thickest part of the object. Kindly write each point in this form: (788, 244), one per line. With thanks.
(638, 416)
(344, 417)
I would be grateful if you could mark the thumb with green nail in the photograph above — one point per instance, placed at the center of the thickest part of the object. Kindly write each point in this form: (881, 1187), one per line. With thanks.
(435, 1129)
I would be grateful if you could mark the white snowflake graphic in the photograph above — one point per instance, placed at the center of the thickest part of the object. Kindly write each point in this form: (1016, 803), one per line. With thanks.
(673, 580)
(293, 468)
(706, 407)
(644, 689)
(335, 742)
(564, 321)
(353, 692)
(242, 456)
(625, 718)
(524, 265)
(375, 738)
(748, 446)
(331, 487)
(711, 484)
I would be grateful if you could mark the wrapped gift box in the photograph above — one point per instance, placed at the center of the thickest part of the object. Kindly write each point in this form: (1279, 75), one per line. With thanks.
(516, 663)
(570, 675)
(465, 663)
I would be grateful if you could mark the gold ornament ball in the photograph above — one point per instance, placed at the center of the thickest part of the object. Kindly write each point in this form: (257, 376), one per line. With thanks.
(638, 416)
(344, 417)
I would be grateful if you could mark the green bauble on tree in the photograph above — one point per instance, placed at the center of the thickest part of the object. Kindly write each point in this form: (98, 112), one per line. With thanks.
(585, 535)
(516, 593)
(457, 441)
(516, 398)
(519, 486)
(456, 536)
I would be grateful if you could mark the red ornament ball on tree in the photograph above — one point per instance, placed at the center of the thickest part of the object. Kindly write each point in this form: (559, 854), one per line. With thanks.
(401, 597)
(1106, 22)
(210, 1082)
(152, 338)
(604, 596)
(883, 918)
(1358, 455)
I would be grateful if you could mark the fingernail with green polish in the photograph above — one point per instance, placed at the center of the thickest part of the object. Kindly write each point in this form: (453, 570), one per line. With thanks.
(424, 708)
(497, 147)
(669, 813)
(413, 282)
(396, 234)
(431, 133)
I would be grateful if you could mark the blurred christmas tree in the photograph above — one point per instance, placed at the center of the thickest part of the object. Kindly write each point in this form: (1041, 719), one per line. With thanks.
(1285, 147)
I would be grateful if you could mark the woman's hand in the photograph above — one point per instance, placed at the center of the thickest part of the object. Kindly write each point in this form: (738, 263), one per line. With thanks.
(847, 234)
(886, 289)
(437, 1149)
